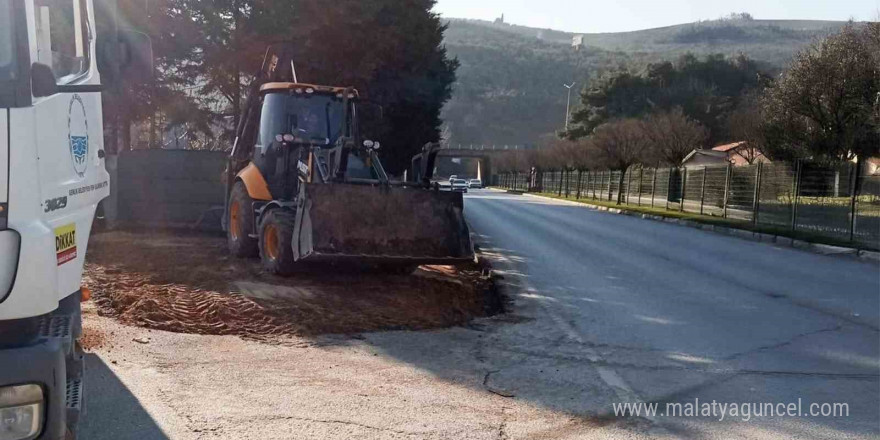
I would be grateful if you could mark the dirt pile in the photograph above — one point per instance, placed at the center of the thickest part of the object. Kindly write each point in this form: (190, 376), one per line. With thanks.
(189, 284)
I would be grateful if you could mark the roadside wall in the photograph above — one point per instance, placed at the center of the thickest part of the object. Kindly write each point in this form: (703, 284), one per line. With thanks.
(169, 188)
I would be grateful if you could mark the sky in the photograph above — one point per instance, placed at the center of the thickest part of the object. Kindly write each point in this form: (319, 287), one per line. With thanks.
(591, 16)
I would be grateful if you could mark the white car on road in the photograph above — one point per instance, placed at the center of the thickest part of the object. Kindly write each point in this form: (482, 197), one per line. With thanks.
(459, 185)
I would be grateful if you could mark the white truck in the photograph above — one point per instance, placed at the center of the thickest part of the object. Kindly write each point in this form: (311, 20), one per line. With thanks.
(52, 177)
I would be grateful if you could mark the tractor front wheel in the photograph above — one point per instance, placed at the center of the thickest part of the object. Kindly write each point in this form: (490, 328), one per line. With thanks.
(240, 223)
(276, 236)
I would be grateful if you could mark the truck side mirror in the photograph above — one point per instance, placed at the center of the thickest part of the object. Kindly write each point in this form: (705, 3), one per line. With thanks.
(107, 56)
(137, 56)
(126, 57)
(43, 81)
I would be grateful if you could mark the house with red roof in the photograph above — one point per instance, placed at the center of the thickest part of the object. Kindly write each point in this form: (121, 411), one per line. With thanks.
(736, 153)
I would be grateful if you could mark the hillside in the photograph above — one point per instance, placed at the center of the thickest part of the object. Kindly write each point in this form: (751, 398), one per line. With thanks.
(510, 84)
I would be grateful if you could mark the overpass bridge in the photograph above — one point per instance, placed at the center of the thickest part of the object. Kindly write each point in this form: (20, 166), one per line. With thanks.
(466, 161)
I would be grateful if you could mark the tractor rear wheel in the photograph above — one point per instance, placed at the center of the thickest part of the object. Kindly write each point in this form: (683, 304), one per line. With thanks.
(276, 247)
(240, 223)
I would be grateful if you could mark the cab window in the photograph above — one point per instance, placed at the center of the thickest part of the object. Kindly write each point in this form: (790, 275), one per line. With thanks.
(63, 37)
(315, 118)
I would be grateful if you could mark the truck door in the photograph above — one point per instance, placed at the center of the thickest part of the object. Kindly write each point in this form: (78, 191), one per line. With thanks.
(70, 147)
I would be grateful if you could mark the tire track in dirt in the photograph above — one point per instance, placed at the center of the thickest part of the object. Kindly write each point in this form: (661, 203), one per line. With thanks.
(187, 284)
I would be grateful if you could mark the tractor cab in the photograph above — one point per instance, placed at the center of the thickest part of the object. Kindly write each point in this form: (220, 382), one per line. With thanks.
(313, 130)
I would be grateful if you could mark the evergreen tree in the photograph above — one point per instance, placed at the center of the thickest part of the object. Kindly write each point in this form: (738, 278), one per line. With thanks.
(707, 90)
(391, 50)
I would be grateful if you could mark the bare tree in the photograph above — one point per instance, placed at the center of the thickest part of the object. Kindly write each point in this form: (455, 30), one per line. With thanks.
(873, 42)
(621, 144)
(824, 105)
(745, 124)
(674, 135)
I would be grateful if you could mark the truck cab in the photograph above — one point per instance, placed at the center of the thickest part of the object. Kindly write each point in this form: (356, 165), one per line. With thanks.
(52, 177)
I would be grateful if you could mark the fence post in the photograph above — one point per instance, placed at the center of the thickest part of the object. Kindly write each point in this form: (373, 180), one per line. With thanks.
(577, 196)
(797, 194)
(703, 191)
(726, 189)
(587, 189)
(641, 177)
(684, 180)
(756, 205)
(629, 184)
(568, 184)
(593, 184)
(653, 186)
(668, 187)
(567, 180)
(559, 175)
(561, 182)
(610, 176)
(854, 189)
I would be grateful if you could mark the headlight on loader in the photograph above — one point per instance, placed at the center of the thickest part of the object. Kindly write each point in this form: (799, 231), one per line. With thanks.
(21, 412)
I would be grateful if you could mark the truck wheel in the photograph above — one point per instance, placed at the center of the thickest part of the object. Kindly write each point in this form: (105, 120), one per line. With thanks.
(276, 248)
(240, 223)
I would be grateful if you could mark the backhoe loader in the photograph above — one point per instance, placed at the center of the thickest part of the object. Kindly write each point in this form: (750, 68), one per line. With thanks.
(303, 185)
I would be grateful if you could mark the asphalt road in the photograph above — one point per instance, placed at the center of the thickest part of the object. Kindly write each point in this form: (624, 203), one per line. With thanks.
(605, 309)
(652, 312)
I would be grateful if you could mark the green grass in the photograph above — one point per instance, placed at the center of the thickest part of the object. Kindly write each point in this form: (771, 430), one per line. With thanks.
(719, 221)
(866, 199)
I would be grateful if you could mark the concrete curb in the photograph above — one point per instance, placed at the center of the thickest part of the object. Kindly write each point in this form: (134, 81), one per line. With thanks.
(816, 248)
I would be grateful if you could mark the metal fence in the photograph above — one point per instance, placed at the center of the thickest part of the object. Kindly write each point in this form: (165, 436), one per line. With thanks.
(829, 200)
(169, 188)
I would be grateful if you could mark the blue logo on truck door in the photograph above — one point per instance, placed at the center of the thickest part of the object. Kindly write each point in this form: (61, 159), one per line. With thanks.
(78, 135)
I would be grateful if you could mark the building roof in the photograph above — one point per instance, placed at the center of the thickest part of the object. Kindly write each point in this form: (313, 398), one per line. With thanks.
(710, 153)
(728, 147)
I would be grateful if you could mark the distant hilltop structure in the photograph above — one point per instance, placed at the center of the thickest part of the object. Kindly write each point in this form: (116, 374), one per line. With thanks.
(577, 42)
(500, 20)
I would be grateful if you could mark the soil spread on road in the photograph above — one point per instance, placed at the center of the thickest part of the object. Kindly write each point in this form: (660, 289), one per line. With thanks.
(188, 283)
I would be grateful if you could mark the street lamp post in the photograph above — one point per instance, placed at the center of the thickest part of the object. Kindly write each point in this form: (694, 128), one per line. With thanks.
(568, 104)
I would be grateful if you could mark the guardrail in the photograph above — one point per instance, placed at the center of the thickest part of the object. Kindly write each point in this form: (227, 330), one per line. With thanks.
(828, 200)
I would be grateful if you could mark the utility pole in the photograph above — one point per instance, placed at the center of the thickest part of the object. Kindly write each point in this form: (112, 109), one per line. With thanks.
(568, 104)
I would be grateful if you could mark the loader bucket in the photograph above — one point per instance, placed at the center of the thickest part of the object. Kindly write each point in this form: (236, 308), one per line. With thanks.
(381, 224)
